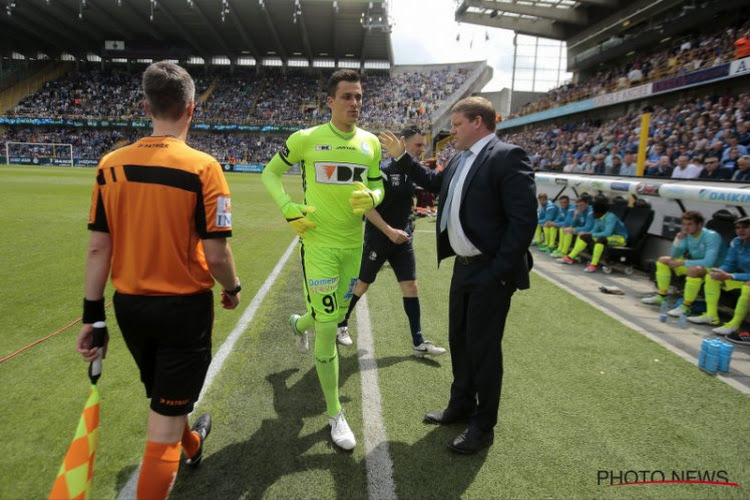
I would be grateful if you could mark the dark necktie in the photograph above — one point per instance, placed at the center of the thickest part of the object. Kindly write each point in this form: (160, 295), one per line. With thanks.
(449, 197)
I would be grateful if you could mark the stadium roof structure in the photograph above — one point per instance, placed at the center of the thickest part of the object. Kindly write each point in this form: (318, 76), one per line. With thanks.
(577, 22)
(278, 31)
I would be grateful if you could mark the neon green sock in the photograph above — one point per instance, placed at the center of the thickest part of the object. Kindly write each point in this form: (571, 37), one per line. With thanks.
(565, 241)
(552, 237)
(327, 364)
(712, 290)
(597, 254)
(692, 287)
(579, 247)
(740, 310)
(545, 230)
(664, 278)
(305, 322)
(538, 234)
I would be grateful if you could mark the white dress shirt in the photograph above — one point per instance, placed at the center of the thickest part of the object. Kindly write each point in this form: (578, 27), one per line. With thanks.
(458, 240)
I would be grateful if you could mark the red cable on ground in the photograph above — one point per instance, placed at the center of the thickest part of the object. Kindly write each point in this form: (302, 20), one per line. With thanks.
(57, 332)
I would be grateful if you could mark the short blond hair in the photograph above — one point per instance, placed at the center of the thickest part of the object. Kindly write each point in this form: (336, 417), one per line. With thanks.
(474, 106)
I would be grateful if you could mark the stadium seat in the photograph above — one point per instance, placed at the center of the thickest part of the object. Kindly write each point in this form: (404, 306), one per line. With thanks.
(722, 221)
(619, 207)
(637, 221)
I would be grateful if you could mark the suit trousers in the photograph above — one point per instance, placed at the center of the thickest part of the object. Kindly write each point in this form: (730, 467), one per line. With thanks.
(478, 306)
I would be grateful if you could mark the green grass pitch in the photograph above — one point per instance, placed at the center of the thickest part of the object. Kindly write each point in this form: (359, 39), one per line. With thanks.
(582, 393)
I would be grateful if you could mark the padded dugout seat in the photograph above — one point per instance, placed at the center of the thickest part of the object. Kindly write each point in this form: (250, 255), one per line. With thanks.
(637, 221)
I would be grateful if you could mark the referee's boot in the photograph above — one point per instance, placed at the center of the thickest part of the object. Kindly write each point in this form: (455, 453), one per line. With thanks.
(303, 342)
(202, 427)
(342, 336)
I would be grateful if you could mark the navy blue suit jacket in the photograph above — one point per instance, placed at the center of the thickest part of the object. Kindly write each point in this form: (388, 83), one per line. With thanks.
(498, 210)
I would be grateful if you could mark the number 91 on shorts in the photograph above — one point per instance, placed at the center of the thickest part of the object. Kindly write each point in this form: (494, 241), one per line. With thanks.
(329, 278)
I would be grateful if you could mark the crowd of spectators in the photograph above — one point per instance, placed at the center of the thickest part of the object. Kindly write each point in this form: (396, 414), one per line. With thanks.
(87, 143)
(245, 97)
(410, 97)
(91, 144)
(705, 137)
(239, 148)
(687, 54)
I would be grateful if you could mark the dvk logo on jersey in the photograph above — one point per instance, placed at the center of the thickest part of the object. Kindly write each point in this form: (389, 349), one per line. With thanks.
(338, 173)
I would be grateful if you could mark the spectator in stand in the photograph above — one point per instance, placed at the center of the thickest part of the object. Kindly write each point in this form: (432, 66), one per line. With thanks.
(608, 230)
(694, 251)
(742, 174)
(732, 274)
(733, 144)
(616, 166)
(743, 134)
(662, 168)
(600, 168)
(742, 47)
(685, 169)
(572, 165)
(629, 168)
(730, 161)
(610, 161)
(587, 167)
(713, 172)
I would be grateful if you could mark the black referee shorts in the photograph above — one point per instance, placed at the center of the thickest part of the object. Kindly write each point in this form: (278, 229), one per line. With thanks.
(170, 340)
(400, 257)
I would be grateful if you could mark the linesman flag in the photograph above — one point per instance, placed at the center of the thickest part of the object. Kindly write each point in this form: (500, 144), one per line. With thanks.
(77, 470)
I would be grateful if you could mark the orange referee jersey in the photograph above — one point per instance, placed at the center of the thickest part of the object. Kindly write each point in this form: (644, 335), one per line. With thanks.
(158, 198)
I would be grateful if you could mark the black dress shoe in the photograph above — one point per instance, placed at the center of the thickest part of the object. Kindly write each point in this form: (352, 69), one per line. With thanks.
(447, 416)
(471, 441)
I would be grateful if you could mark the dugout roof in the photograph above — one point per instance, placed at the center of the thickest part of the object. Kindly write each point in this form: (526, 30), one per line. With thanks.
(260, 29)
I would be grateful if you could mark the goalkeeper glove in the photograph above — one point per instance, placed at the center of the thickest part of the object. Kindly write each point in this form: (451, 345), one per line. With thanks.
(361, 199)
(295, 216)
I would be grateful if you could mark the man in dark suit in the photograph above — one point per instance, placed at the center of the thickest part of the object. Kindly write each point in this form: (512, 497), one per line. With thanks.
(487, 218)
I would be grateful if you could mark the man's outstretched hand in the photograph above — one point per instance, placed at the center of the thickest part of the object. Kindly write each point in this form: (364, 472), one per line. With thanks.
(391, 143)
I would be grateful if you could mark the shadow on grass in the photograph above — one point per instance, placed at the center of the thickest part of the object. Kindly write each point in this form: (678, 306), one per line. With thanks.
(279, 448)
(427, 469)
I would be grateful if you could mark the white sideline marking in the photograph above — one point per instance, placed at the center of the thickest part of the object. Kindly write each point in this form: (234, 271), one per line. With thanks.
(128, 491)
(380, 484)
(687, 357)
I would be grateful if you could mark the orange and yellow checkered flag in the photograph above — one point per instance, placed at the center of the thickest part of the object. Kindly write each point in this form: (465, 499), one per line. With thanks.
(74, 477)
(73, 480)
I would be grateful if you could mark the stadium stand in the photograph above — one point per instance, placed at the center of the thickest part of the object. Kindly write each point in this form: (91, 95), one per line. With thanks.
(394, 100)
(711, 125)
(688, 53)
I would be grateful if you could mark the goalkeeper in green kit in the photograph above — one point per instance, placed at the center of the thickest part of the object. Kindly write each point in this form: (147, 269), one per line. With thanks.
(341, 179)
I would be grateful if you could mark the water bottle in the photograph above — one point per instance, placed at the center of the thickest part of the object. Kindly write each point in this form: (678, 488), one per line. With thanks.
(712, 357)
(704, 351)
(725, 356)
(683, 320)
(663, 310)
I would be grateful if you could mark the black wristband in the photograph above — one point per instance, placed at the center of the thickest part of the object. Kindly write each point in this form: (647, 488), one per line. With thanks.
(93, 310)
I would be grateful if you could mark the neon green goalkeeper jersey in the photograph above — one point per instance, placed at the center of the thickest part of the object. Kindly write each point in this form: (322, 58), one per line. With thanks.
(331, 161)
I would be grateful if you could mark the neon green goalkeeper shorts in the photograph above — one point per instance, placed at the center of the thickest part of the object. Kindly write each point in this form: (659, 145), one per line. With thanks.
(330, 275)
